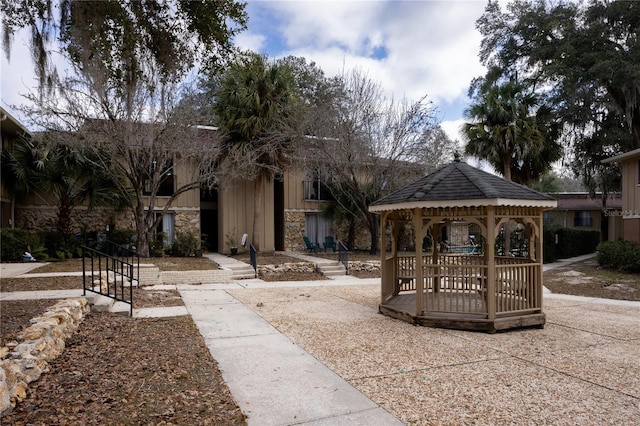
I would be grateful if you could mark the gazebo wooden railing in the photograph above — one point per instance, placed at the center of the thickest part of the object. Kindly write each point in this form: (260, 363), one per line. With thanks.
(456, 284)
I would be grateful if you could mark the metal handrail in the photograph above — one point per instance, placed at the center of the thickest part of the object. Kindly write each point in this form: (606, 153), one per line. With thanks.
(343, 255)
(253, 258)
(120, 268)
(125, 253)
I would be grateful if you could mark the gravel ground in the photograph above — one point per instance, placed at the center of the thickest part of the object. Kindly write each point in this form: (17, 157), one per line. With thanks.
(580, 369)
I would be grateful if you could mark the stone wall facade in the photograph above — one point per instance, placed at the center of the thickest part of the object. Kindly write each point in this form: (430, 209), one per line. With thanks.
(294, 230)
(44, 218)
(363, 237)
(24, 361)
(188, 221)
(459, 234)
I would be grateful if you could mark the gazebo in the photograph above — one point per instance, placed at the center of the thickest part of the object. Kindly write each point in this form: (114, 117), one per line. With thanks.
(461, 222)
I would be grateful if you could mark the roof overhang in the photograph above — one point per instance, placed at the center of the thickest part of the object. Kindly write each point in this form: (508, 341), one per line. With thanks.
(496, 202)
(11, 125)
(624, 156)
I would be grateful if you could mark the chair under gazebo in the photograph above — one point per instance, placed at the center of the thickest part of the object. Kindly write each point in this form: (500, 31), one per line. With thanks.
(466, 283)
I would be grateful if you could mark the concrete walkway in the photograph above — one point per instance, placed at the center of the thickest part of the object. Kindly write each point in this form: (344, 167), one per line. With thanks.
(272, 379)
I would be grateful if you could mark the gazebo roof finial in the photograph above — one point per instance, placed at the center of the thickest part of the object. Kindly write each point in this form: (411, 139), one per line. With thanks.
(456, 156)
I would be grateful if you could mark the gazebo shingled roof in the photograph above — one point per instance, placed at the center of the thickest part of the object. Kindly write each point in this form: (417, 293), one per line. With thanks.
(460, 181)
(472, 287)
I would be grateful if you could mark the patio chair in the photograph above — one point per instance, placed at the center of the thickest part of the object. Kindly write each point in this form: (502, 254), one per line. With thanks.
(310, 246)
(329, 243)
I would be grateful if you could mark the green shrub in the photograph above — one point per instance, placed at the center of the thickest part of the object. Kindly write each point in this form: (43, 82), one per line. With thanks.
(576, 242)
(549, 243)
(61, 246)
(157, 244)
(571, 242)
(122, 236)
(14, 242)
(620, 255)
(185, 244)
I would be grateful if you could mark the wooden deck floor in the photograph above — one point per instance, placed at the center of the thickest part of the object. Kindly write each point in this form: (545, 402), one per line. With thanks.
(459, 303)
(461, 310)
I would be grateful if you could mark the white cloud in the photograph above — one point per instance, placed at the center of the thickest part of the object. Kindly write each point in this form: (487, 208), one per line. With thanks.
(250, 41)
(452, 129)
(431, 46)
(350, 25)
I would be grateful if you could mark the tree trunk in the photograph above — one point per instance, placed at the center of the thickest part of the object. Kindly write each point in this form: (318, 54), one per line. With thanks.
(257, 211)
(64, 215)
(351, 235)
(373, 230)
(142, 231)
(506, 161)
(506, 167)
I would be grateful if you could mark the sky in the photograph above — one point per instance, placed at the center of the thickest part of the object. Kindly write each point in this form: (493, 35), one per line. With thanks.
(412, 48)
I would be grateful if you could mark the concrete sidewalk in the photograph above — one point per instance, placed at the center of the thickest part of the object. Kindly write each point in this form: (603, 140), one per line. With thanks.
(10, 270)
(273, 380)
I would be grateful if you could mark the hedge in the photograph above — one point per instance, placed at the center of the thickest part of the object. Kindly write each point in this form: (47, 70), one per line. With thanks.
(14, 242)
(619, 255)
(571, 242)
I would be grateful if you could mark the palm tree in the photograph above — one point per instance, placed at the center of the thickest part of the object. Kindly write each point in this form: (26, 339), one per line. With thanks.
(255, 105)
(60, 171)
(503, 129)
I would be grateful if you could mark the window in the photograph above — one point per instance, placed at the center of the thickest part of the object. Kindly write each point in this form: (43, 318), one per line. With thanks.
(316, 227)
(167, 225)
(582, 219)
(316, 187)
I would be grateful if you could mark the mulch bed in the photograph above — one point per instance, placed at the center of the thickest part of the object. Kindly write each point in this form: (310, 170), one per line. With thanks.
(16, 314)
(119, 370)
(589, 279)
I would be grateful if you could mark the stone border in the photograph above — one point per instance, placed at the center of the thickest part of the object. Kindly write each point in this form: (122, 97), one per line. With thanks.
(368, 265)
(41, 342)
(288, 267)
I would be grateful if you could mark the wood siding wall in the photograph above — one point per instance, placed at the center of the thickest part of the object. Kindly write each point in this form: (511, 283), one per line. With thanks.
(235, 216)
(630, 187)
(294, 193)
(631, 198)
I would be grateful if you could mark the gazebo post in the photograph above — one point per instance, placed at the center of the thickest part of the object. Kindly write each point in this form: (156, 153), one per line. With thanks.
(389, 275)
(540, 258)
(490, 297)
(419, 268)
(437, 230)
